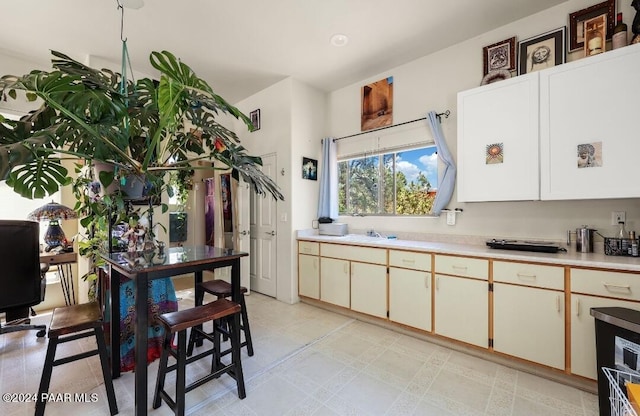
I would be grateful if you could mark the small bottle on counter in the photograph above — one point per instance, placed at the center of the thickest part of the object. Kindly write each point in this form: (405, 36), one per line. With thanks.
(622, 235)
(633, 249)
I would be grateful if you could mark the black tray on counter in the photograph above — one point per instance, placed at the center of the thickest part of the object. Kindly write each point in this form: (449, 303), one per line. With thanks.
(523, 245)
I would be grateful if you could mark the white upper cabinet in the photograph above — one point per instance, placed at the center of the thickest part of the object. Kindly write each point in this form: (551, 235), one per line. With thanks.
(498, 141)
(589, 108)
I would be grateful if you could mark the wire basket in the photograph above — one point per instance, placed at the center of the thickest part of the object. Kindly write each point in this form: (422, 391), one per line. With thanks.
(621, 246)
(620, 405)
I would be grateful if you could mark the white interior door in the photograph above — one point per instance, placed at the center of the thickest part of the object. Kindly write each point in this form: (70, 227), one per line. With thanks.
(242, 226)
(263, 236)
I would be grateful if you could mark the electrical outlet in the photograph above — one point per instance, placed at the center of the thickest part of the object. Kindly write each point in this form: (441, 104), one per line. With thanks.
(451, 218)
(617, 216)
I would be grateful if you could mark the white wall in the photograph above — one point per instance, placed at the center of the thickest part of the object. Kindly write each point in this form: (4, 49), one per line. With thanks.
(292, 121)
(432, 83)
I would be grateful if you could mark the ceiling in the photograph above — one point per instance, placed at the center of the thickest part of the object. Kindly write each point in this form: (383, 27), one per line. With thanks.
(242, 46)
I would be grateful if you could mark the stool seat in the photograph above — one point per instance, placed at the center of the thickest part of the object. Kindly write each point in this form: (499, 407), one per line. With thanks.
(221, 310)
(75, 318)
(70, 323)
(220, 288)
(187, 318)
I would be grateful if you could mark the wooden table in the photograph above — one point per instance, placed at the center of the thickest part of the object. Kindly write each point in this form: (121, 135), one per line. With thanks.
(63, 262)
(177, 261)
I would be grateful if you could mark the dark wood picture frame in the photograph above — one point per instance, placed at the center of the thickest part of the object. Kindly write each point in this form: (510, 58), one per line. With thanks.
(577, 19)
(254, 116)
(500, 55)
(542, 51)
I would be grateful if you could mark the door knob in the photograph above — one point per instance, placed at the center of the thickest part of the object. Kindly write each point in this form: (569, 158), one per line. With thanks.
(271, 233)
(243, 233)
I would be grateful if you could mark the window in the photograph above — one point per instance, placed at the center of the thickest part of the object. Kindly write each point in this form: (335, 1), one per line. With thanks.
(401, 182)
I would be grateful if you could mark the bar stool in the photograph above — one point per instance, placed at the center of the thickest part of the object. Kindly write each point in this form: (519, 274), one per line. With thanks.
(69, 323)
(178, 322)
(222, 289)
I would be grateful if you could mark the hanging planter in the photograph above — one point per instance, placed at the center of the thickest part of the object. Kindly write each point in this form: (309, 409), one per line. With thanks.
(110, 181)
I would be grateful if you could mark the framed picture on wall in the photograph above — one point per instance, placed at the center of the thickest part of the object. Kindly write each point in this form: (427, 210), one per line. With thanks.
(255, 119)
(499, 56)
(594, 35)
(577, 19)
(377, 104)
(309, 169)
(542, 51)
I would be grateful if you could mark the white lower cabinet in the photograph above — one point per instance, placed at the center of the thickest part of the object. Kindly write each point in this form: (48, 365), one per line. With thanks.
(529, 312)
(529, 323)
(410, 297)
(461, 299)
(309, 269)
(369, 289)
(462, 309)
(335, 282)
(583, 331)
(309, 276)
(596, 289)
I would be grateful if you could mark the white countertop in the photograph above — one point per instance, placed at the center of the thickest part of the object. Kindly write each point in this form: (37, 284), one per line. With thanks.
(570, 258)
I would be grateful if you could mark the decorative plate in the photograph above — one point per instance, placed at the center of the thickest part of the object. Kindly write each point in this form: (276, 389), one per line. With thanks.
(495, 75)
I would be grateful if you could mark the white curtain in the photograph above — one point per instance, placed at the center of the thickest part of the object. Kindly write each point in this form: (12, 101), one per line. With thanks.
(328, 198)
(447, 178)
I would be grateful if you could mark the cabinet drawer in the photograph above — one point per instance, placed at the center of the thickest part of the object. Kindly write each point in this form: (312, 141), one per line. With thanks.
(308, 247)
(355, 253)
(462, 266)
(536, 275)
(605, 283)
(410, 260)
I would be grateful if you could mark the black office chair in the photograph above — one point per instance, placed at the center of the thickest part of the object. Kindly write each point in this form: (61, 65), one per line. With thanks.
(21, 274)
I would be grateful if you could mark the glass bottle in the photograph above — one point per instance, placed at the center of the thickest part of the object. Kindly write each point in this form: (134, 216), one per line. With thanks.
(619, 38)
(623, 236)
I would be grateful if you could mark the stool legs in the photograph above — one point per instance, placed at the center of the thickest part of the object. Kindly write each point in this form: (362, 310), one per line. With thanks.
(45, 380)
(51, 362)
(244, 326)
(106, 371)
(217, 367)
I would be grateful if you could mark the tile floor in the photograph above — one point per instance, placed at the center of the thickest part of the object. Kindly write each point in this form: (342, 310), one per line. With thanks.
(309, 361)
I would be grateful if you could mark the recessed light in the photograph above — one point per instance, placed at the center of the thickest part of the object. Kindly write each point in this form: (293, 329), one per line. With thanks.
(339, 39)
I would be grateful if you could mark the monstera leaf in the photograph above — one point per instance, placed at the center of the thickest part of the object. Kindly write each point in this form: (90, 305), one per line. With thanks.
(143, 127)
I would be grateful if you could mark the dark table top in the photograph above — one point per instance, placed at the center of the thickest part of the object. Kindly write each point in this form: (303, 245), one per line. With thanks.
(173, 260)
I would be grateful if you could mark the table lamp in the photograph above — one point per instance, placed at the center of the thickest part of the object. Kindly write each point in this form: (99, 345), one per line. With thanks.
(53, 212)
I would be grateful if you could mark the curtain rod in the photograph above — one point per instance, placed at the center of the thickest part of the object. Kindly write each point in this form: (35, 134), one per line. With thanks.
(439, 115)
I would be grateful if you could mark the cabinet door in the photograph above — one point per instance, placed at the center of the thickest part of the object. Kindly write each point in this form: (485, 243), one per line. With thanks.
(590, 105)
(334, 281)
(462, 309)
(583, 332)
(309, 276)
(529, 323)
(410, 297)
(504, 114)
(369, 289)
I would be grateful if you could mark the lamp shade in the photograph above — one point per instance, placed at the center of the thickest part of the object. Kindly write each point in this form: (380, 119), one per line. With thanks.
(52, 211)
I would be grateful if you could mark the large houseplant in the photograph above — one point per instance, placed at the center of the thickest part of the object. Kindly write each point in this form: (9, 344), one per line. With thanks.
(145, 127)
(148, 128)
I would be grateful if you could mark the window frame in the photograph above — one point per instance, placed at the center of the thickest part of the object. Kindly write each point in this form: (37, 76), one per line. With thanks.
(381, 154)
